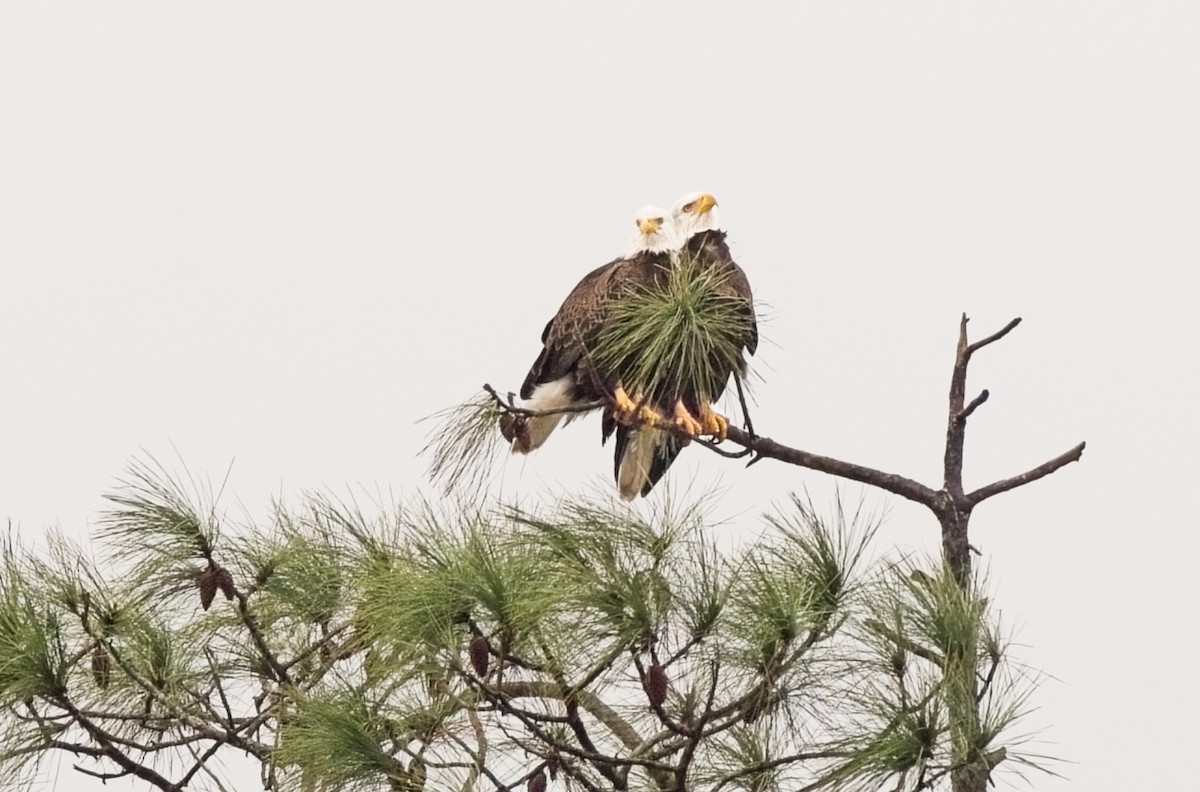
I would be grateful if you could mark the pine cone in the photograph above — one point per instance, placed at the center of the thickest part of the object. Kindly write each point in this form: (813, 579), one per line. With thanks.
(656, 685)
(207, 581)
(515, 429)
(537, 783)
(479, 655)
(225, 582)
(101, 667)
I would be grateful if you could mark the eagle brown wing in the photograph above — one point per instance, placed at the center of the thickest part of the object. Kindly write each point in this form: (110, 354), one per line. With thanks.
(574, 330)
(711, 247)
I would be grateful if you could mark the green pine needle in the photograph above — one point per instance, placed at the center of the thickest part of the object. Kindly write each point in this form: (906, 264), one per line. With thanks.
(676, 337)
(339, 740)
(462, 445)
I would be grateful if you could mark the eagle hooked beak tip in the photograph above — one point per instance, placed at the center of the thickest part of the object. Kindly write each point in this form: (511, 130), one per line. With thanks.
(703, 204)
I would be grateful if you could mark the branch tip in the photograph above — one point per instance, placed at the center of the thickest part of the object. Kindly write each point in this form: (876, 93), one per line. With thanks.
(1029, 476)
(996, 336)
(970, 408)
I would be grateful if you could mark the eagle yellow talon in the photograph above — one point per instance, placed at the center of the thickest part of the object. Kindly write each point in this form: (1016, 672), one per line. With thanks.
(622, 403)
(714, 423)
(649, 417)
(631, 410)
(686, 422)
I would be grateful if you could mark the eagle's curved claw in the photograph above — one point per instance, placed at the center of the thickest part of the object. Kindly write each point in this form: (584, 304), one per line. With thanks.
(622, 404)
(686, 422)
(715, 424)
(633, 411)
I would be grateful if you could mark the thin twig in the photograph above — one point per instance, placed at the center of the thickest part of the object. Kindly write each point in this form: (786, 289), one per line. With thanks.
(104, 777)
(711, 446)
(877, 627)
(200, 763)
(771, 764)
(689, 750)
(110, 751)
(737, 380)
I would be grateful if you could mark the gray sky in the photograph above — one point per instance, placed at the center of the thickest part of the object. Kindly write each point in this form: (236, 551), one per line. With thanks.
(278, 235)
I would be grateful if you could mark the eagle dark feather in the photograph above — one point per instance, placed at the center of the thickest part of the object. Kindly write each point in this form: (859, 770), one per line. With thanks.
(571, 371)
(708, 252)
(664, 454)
(710, 248)
(569, 337)
(565, 374)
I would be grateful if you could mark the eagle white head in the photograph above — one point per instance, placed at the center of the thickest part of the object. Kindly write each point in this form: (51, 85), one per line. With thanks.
(655, 232)
(693, 213)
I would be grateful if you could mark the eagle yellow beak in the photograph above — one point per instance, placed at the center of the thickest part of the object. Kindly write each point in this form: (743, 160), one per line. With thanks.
(703, 204)
(649, 225)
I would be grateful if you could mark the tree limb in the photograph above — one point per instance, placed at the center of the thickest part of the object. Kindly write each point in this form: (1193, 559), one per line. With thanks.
(1041, 471)
(766, 448)
(109, 751)
(996, 336)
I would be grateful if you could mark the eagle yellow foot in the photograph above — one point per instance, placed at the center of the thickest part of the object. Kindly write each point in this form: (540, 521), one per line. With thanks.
(622, 404)
(686, 422)
(630, 411)
(648, 416)
(713, 422)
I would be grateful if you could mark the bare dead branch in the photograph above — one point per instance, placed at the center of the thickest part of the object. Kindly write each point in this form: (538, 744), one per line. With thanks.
(1041, 471)
(766, 448)
(970, 408)
(996, 336)
(212, 666)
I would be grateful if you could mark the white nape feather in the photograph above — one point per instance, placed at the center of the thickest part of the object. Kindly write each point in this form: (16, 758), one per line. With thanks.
(655, 232)
(693, 213)
(554, 395)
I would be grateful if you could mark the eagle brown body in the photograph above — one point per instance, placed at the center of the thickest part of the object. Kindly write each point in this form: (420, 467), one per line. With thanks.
(566, 376)
(654, 408)
(709, 251)
(570, 338)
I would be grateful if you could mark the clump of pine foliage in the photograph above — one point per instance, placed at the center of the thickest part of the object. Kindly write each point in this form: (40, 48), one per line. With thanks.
(451, 648)
(678, 333)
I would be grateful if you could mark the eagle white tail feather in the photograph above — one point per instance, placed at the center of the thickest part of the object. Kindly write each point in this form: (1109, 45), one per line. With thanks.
(634, 471)
(555, 395)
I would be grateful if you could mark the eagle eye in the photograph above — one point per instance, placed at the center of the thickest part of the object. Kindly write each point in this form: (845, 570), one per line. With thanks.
(689, 207)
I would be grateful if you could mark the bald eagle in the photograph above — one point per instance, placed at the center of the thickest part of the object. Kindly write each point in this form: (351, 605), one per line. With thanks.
(676, 391)
(655, 336)
(565, 375)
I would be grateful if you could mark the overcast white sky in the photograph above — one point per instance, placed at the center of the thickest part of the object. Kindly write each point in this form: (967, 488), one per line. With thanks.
(277, 235)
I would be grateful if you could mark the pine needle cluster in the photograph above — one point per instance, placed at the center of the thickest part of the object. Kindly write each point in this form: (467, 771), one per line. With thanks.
(441, 647)
(680, 333)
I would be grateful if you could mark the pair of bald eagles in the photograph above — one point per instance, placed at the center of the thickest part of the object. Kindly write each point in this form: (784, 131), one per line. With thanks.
(654, 425)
